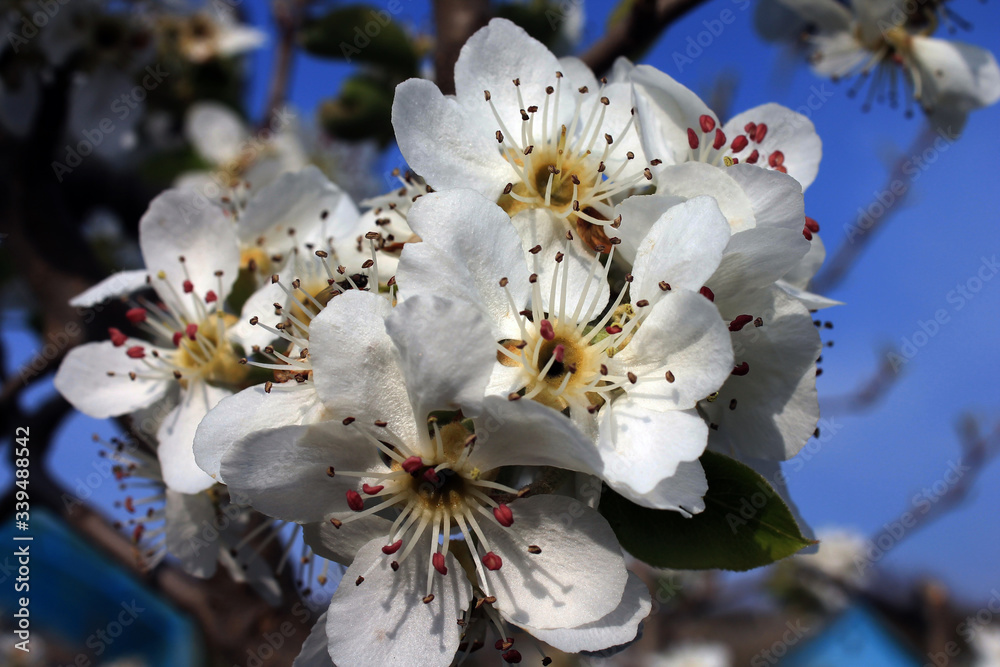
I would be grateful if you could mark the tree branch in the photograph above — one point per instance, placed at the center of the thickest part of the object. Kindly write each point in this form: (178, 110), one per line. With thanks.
(636, 32)
(454, 22)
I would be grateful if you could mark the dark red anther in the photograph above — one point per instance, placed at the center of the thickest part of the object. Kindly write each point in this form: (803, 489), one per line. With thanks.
(438, 560)
(720, 139)
(137, 532)
(776, 159)
(188, 286)
(750, 128)
(546, 330)
(431, 476)
(492, 561)
(707, 123)
(136, 315)
(760, 132)
(692, 139)
(741, 368)
(806, 233)
(117, 337)
(613, 329)
(512, 656)
(177, 338)
(192, 331)
(559, 353)
(739, 143)
(390, 549)
(129, 505)
(740, 322)
(503, 644)
(211, 297)
(413, 464)
(812, 225)
(707, 293)
(355, 501)
(136, 352)
(753, 157)
(503, 515)
(372, 490)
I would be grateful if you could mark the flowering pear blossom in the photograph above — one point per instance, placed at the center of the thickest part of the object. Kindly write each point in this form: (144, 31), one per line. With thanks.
(890, 44)
(541, 136)
(629, 374)
(199, 37)
(459, 533)
(192, 259)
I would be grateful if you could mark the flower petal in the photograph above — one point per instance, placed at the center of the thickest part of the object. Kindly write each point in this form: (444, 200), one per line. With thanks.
(187, 514)
(753, 260)
(446, 353)
(384, 621)
(642, 446)
(619, 627)
(314, 651)
(527, 433)
(787, 131)
(341, 545)
(176, 436)
(83, 380)
(683, 248)
(776, 198)
(666, 110)
(444, 143)
(182, 223)
(118, 284)
(216, 132)
(251, 410)
(558, 587)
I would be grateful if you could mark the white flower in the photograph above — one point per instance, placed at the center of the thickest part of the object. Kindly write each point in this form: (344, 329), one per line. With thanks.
(539, 135)
(838, 555)
(880, 38)
(628, 374)
(199, 37)
(192, 259)
(388, 370)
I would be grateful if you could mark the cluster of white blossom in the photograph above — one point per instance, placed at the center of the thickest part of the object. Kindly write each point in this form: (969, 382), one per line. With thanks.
(586, 284)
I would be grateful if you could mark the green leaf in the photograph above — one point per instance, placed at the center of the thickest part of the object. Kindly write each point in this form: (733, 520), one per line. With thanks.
(362, 110)
(361, 33)
(745, 524)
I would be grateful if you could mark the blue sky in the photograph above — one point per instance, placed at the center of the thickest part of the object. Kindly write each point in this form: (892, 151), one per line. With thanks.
(870, 466)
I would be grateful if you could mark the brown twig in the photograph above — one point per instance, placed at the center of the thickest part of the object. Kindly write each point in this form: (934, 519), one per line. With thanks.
(454, 22)
(633, 34)
(287, 18)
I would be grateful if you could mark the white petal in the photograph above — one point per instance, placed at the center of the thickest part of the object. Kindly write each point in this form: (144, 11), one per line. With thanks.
(776, 198)
(685, 335)
(475, 245)
(260, 304)
(446, 353)
(577, 72)
(216, 132)
(444, 144)
(956, 73)
(776, 410)
(691, 179)
(810, 300)
(182, 223)
(619, 627)
(314, 651)
(118, 284)
(683, 248)
(252, 409)
(579, 576)
(491, 59)
(187, 515)
(304, 201)
(802, 273)
(83, 380)
(666, 110)
(238, 39)
(384, 621)
(341, 545)
(837, 54)
(176, 436)
(753, 260)
(356, 365)
(530, 434)
(638, 213)
(787, 131)
(682, 492)
(642, 446)
(539, 227)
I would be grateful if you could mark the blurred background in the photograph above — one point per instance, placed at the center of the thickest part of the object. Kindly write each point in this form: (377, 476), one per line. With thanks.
(909, 391)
